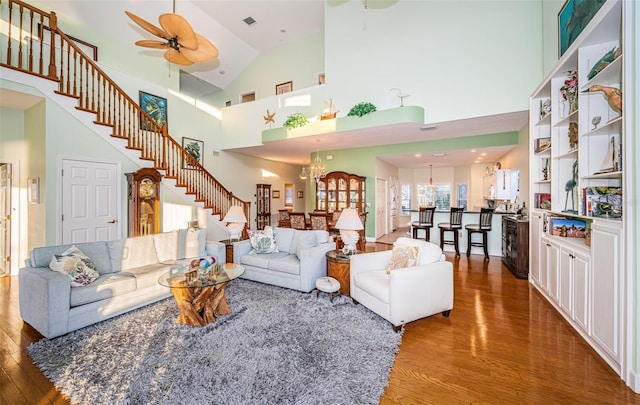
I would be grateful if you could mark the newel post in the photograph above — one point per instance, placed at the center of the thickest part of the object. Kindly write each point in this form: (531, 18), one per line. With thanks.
(53, 24)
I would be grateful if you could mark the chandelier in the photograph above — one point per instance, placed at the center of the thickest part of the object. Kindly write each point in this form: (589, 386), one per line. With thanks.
(317, 168)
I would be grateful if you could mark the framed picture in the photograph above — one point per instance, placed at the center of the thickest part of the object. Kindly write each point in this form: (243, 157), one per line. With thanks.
(33, 190)
(572, 18)
(300, 194)
(275, 194)
(155, 106)
(195, 148)
(285, 87)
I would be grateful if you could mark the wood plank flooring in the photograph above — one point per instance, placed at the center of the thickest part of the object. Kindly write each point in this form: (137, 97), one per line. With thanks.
(502, 344)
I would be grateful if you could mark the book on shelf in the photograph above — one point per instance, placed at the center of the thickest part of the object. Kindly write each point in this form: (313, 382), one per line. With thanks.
(542, 201)
(602, 202)
(542, 144)
(567, 227)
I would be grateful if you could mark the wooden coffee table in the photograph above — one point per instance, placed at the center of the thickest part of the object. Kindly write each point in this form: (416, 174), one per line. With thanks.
(200, 296)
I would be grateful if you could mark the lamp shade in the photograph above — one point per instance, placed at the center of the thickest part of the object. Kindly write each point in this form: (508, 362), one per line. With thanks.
(235, 214)
(349, 219)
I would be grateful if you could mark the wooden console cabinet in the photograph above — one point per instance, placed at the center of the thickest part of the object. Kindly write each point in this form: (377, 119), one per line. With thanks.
(515, 245)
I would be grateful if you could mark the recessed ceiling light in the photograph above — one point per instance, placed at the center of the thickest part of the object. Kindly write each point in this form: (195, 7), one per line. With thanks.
(473, 151)
(417, 155)
(484, 154)
(439, 154)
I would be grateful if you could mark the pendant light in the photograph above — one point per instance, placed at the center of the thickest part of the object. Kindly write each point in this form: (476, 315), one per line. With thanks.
(431, 185)
(303, 174)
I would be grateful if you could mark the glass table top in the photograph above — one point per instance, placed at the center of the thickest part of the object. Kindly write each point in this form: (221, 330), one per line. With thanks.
(182, 276)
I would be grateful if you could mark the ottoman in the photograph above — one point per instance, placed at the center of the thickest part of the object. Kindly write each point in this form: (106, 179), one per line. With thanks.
(328, 285)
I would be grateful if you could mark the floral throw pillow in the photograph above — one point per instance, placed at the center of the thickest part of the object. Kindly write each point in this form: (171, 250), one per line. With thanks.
(75, 264)
(264, 242)
(401, 257)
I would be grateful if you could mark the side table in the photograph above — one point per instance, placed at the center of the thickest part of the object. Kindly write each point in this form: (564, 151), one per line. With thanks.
(228, 243)
(339, 267)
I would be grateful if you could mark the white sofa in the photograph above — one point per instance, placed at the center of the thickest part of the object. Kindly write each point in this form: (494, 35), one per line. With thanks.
(129, 270)
(299, 262)
(405, 294)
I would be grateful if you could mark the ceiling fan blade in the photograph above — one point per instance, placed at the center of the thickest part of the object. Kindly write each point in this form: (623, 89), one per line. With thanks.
(206, 51)
(176, 57)
(178, 27)
(158, 32)
(150, 43)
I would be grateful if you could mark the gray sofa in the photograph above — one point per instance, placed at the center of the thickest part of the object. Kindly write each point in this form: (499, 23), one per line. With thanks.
(299, 262)
(129, 270)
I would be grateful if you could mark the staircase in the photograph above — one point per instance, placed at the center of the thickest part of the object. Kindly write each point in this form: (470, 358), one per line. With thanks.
(35, 45)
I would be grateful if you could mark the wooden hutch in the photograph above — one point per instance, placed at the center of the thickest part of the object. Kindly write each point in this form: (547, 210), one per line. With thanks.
(339, 190)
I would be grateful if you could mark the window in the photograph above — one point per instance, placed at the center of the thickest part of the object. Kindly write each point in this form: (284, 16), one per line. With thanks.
(405, 190)
(442, 197)
(461, 194)
(425, 195)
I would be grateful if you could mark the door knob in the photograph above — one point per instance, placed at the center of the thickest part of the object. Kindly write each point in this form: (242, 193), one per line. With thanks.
(113, 221)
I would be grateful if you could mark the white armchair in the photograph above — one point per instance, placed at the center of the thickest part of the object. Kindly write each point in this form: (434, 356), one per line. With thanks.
(406, 294)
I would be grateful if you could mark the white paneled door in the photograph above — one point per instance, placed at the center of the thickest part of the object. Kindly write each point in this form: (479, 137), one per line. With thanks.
(5, 218)
(381, 207)
(90, 201)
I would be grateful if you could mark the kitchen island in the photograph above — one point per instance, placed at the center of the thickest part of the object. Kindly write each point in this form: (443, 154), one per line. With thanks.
(494, 240)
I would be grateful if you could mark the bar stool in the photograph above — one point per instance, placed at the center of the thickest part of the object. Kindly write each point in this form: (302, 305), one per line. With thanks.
(425, 221)
(454, 225)
(486, 215)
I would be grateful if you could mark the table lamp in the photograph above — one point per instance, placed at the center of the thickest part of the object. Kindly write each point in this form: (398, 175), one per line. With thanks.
(235, 221)
(349, 224)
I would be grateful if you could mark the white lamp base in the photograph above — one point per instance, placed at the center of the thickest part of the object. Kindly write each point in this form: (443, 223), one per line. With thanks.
(350, 239)
(235, 229)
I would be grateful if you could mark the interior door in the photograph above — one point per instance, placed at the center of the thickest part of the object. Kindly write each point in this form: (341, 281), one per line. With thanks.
(5, 218)
(89, 201)
(381, 207)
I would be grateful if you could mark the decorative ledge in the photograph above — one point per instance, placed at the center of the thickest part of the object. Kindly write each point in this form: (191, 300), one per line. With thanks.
(399, 115)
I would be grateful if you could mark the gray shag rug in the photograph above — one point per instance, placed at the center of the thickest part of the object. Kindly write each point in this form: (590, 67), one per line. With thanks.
(278, 346)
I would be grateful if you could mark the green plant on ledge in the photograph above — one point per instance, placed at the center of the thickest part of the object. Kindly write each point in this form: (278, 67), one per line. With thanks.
(361, 109)
(295, 120)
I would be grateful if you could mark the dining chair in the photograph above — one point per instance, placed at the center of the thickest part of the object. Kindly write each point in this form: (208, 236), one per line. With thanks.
(319, 220)
(454, 225)
(283, 219)
(298, 220)
(486, 216)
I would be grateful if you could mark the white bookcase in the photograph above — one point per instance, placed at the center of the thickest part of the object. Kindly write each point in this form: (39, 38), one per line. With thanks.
(584, 283)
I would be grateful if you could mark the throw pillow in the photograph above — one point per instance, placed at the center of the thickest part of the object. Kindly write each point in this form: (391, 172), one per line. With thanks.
(401, 257)
(302, 241)
(75, 264)
(264, 242)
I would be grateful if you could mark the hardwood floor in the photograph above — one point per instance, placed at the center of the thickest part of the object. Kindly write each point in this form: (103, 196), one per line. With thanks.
(502, 344)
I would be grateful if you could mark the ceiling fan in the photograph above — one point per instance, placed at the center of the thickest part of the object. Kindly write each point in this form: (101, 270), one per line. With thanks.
(183, 45)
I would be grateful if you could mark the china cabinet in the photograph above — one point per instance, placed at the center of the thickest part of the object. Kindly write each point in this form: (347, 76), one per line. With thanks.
(143, 201)
(577, 171)
(515, 245)
(339, 190)
(263, 205)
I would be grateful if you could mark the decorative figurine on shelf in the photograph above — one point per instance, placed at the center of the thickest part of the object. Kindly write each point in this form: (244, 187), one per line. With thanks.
(569, 91)
(595, 121)
(613, 95)
(545, 170)
(569, 187)
(573, 135)
(269, 118)
(545, 108)
(604, 62)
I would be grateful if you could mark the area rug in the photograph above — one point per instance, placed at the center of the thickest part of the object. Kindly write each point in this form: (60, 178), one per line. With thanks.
(278, 346)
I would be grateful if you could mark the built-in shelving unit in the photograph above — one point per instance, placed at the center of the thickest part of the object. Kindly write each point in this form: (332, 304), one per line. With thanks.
(584, 181)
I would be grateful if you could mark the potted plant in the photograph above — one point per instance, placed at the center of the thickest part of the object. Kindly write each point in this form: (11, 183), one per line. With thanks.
(296, 120)
(361, 109)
